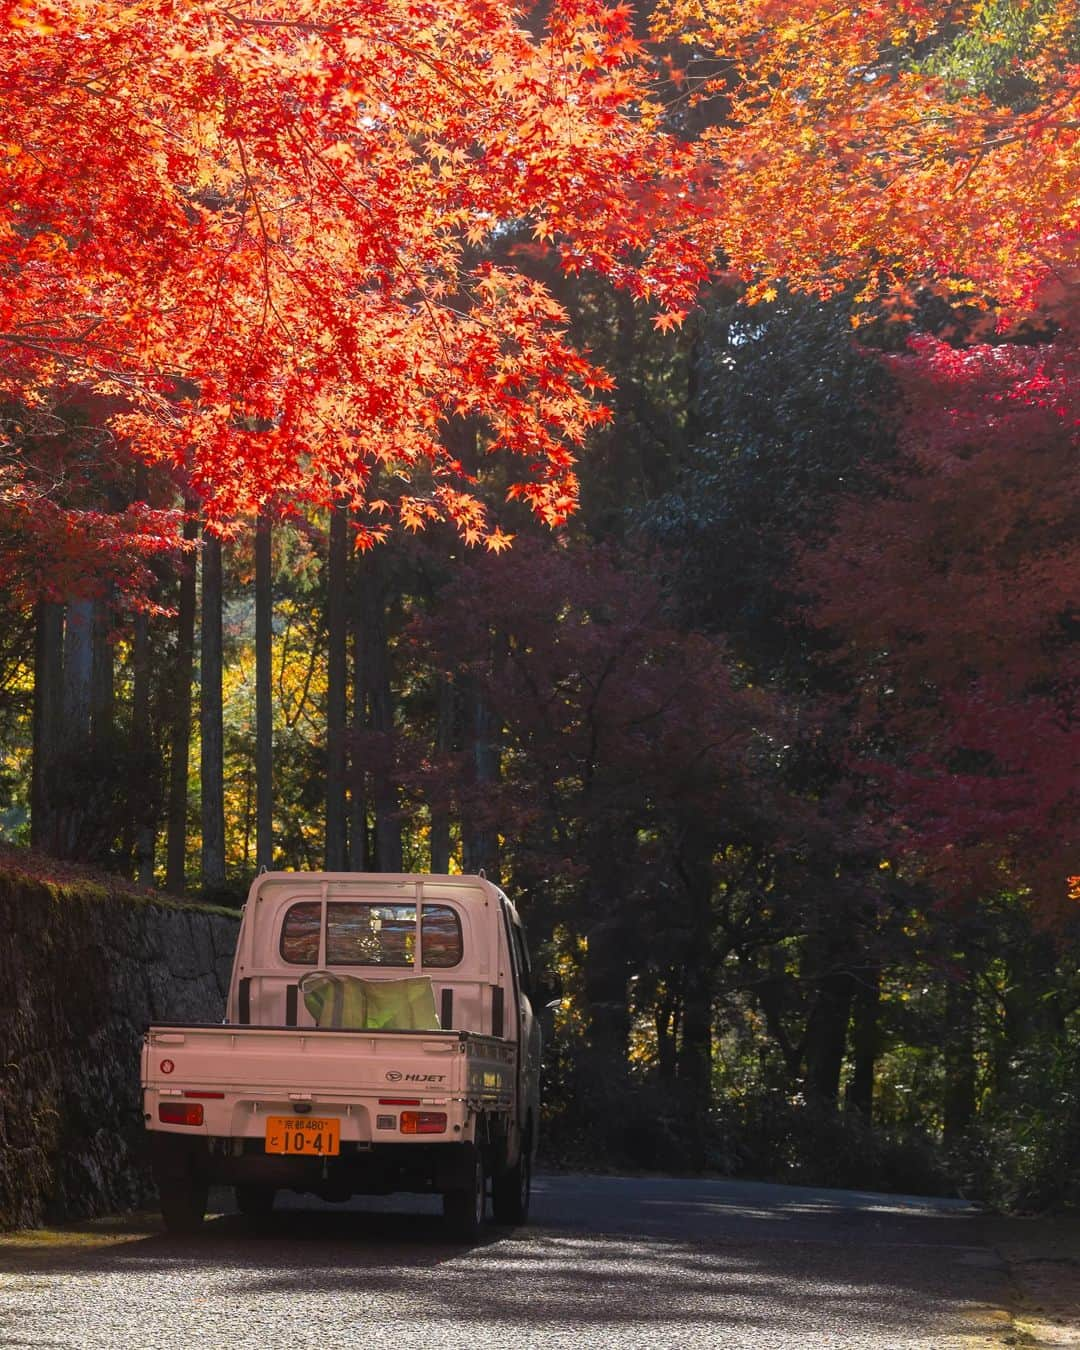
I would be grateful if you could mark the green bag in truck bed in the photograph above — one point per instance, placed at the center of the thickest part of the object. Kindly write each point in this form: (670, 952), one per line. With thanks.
(345, 1001)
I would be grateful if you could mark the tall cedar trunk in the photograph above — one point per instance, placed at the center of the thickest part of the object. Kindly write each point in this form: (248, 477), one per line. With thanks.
(959, 1101)
(665, 1018)
(1034, 1003)
(388, 855)
(78, 703)
(606, 976)
(695, 1047)
(866, 1007)
(479, 839)
(827, 1028)
(103, 676)
(211, 725)
(769, 986)
(264, 707)
(78, 671)
(143, 799)
(180, 722)
(606, 967)
(48, 720)
(359, 847)
(444, 744)
(142, 796)
(480, 845)
(337, 564)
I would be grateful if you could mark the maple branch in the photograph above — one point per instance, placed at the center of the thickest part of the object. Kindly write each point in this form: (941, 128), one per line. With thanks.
(328, 29)
(268, 298)
(407, 271)
(41, 343)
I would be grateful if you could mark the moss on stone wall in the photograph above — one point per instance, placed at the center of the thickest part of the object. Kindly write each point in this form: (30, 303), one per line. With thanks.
(84, 969)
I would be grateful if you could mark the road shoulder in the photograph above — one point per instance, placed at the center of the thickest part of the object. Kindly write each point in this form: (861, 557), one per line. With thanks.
(1043, 1257)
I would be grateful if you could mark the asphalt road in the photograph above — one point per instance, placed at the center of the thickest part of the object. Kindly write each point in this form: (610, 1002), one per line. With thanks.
(607, 1261)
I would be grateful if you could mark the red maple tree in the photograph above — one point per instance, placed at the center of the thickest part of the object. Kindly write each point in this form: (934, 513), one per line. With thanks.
(261, 228)
(954, 594)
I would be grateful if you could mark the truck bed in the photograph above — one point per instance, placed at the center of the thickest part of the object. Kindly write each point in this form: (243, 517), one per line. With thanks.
(243, 1074)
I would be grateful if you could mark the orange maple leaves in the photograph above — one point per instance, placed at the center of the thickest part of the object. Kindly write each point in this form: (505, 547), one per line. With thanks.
(251, 225)
(876, 143)
(259, 226)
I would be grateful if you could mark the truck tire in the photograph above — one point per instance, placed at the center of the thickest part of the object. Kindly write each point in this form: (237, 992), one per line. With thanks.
(180, 1174)
(255, 1202)
(463, 1207)
(511, 1189)
(183, 1201)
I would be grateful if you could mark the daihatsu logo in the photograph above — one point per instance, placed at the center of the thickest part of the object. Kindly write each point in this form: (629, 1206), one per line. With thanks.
(393, 1076)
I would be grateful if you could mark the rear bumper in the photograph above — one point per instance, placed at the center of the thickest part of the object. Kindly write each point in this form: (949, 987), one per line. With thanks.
(378, 1169)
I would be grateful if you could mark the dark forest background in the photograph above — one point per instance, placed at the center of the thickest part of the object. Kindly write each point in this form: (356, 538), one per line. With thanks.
(773, 746)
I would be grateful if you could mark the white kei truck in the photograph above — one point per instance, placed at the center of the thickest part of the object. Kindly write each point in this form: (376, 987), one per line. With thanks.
(379, 1038)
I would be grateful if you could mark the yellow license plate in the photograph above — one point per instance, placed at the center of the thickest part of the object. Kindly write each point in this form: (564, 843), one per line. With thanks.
(304, 1134)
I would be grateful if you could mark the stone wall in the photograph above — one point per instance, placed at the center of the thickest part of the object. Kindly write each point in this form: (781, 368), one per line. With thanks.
(82, 973)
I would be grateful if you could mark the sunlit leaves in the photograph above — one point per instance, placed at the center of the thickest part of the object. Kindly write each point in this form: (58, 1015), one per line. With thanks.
(897, 144)
(253, 225)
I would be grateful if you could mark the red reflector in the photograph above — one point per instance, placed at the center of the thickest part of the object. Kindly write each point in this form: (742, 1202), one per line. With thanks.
(179, 1113)
(399, 1101)
(423, 1122)
(217, 1096)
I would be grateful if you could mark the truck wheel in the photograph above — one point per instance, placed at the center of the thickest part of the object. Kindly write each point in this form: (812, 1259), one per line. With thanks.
(463, 1208)
(183, 1202)
(255, 1202)
(511, 1190)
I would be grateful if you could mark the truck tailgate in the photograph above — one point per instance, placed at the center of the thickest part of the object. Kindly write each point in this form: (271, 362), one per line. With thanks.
(243, 1077)
(260, 1060)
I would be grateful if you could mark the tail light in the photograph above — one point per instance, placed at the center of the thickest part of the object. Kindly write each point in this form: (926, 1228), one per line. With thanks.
(180, 1113)
(423, 1122)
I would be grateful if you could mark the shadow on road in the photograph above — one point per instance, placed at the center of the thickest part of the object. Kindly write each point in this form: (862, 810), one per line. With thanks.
(698, 1263)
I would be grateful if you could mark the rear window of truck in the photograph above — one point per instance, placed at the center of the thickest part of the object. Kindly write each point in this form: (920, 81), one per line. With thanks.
(359, 933)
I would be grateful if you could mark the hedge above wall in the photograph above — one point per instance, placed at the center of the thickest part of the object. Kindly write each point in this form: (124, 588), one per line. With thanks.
(84, 968)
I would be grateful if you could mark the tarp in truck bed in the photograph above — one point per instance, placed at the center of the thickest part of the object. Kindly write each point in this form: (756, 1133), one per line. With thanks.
(346, 1001)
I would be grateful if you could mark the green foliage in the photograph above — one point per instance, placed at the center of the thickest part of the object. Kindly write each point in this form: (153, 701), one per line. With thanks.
(789, 415)
(984, 58)
(1023, 1154)
(757, 1131)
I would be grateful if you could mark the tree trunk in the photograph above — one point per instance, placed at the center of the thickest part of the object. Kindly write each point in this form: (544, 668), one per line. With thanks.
(606, 966)
(48, 720)
(606, 976)
(180, 721)
(665, 1018)
(336, 570)
(959, 1101)
(444, 744)
(143, 797)
(78, 703)
(826, 1031)
(78, 670)
(359, 848)
(211, 725)
(388, 855)
(864, 1042)
(769, 986)
(102, 675)
(479, 840)
(695, 1046)
(264, 706)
